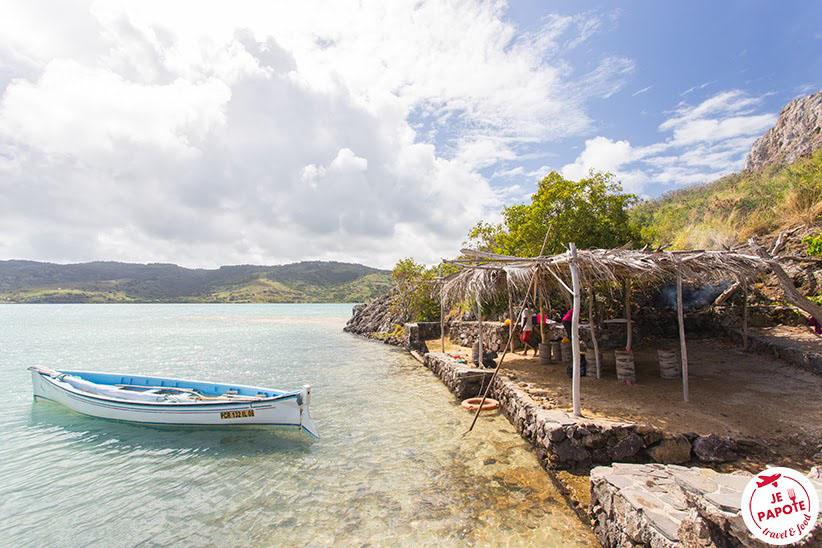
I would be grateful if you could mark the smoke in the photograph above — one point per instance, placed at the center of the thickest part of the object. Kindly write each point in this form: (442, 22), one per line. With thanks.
(693, 298)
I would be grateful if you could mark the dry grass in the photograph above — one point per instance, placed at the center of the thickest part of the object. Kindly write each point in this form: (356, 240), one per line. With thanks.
(734, 208)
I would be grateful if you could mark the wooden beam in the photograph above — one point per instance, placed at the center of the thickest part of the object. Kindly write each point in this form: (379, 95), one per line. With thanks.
(442, 314)
(626, 288)
(792, 295)
(683, 348)
(744, 313)
(591, 298)
(510, 315)
(725, 295)
(479, 330)
(575, 331)
(541, 319)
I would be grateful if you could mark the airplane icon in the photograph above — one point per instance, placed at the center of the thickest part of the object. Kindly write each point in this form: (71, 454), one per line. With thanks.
(763, 480)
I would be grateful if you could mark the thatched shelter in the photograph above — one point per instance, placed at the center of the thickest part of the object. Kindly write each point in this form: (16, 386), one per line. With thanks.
(485, 276)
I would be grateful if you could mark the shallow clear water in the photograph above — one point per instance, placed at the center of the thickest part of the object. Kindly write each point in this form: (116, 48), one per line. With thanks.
(391, 467)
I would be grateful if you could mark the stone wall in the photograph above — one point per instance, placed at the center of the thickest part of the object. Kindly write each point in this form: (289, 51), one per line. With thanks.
(666, 506)
(463, 380)
(494, 335)
(614, 334)
(564, 441)
(415, 334)
(781, 348)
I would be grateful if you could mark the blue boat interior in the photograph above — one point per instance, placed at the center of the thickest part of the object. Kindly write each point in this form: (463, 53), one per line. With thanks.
(205, 388)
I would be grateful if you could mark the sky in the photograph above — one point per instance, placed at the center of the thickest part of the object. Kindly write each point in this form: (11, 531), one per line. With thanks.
(211, 133)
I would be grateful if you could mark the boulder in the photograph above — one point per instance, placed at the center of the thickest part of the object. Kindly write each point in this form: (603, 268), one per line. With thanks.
(671, 450)
(712, 448)
(626, 447)
(565, 451)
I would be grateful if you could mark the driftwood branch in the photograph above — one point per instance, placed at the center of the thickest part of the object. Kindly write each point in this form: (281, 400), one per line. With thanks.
(779, 243)
(725, 295)
(792, 295)
(798, 259)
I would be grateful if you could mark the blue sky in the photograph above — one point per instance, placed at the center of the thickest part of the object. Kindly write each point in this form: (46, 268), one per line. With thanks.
(209, 132)
(683, 53)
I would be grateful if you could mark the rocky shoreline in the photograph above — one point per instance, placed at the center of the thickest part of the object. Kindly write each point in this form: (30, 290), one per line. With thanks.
(636, 451)
(564, 441)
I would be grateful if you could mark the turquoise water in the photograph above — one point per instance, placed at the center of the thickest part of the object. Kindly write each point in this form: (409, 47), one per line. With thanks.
(391, 467)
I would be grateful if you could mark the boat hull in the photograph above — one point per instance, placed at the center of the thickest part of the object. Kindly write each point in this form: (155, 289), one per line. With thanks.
(287, 411)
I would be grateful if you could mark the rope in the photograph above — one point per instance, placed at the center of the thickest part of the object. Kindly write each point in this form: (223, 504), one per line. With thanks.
(507, 346)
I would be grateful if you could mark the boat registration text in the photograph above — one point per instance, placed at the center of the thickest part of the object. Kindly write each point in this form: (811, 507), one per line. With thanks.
(236, 414)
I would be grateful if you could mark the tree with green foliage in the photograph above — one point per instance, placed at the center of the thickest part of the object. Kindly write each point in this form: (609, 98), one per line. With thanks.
(417, 291)
(591, 212)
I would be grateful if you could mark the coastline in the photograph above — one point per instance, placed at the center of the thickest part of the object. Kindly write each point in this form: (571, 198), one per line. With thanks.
(571, 483)
(594, 461)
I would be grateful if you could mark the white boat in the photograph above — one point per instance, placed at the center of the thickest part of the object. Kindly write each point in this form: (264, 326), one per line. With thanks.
(163, 400)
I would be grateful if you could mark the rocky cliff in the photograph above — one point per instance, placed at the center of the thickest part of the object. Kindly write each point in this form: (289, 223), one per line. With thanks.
(375, 318)
(797, 133)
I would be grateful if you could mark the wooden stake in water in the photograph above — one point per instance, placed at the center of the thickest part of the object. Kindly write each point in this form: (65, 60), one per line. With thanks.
(502, 358)
(510, 342)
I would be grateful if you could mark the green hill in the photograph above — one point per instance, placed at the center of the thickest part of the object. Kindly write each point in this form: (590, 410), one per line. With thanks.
(312, 281)
(733, 208)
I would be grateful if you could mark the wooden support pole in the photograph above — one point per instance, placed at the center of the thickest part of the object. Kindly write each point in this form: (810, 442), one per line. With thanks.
(744, 313)
(626, 287)
(591, 298)
(442, 314)
(479, 330)
(510, 315)
(575, 331)
(541, 320)
(682, 346)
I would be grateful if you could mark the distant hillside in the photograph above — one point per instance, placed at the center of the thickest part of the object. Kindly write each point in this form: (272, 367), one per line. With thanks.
(315, 281)
(781, 186)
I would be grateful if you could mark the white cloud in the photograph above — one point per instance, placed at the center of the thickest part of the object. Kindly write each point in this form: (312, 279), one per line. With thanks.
(708, 140)
(697, 87)
(206, 133)
(640, 91)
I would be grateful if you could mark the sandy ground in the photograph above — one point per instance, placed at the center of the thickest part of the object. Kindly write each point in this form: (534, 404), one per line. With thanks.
(743, 395)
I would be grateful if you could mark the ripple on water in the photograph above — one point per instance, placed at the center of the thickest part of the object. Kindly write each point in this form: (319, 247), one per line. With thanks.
(392, 466)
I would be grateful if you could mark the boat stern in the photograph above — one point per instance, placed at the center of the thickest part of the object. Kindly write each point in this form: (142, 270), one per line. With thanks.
(306, 422)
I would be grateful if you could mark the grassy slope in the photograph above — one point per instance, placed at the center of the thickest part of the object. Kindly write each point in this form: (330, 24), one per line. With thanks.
(732, 209)
(26, 281)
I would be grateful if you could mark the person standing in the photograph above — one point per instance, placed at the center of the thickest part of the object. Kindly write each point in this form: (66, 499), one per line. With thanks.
(567, 319)
(527, 323)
